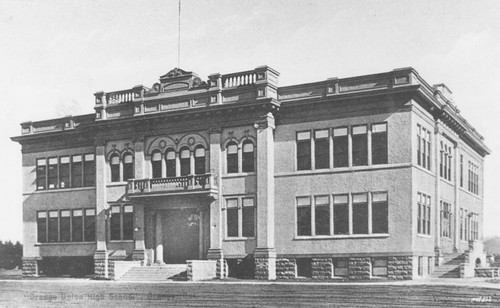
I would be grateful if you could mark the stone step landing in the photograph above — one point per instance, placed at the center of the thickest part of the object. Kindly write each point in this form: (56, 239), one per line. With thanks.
(172, 272)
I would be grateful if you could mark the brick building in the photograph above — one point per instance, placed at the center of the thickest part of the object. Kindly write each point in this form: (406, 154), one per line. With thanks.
(375, 175)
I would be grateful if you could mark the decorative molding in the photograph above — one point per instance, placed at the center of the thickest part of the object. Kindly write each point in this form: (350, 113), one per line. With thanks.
(265, 122)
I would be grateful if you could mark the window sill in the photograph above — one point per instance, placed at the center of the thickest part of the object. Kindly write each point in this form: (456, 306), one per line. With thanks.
(348, 236)
(114, 184)
(64, 243)
(236, 239)
(424, 170)
(424, 236)
(238, 175)
(449, 182)
(343, 169)
(121, 241)
(70, 189)
(470, 193)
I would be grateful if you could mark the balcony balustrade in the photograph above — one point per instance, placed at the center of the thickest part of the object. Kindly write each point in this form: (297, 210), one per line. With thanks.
(198, 182)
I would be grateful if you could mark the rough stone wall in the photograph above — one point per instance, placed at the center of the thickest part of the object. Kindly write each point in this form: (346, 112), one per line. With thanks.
(285, 268)
(399, 268)
(111, 269)
(492, 272)
(360, 268)
(189, 271)
(30, 268)
(101, 268)
(322, 268)
(265, 268)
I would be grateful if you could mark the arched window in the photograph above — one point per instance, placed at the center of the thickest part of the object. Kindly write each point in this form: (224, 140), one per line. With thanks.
(170, 159)
(199, 160)
(185, 159)
(114, 162)
(232, 157)
(128, 166)
(248, 156)
(156, 164)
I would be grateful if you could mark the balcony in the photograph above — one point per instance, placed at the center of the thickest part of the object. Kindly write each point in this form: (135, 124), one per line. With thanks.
(189, 184)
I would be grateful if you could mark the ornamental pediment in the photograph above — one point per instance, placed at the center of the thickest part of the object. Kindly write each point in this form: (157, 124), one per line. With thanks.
(176, 80)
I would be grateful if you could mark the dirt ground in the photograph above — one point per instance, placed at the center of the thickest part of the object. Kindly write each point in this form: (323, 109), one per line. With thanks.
(85, 293)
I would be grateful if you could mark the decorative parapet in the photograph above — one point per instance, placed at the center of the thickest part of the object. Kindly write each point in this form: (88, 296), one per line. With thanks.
(54, 125)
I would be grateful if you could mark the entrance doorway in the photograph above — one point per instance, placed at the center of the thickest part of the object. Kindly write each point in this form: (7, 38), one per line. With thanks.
(181, 235)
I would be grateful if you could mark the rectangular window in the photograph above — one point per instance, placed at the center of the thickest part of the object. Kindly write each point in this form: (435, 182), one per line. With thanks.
(41, 223)
(248, 159)
(77, 226)
(115, 168)
(170, 161)
(52, 173)
(359, 146)
(379, 144)
(248, 213)
(359, 214)
(156, 165)
(115, 223)
(65, 235)
(445, 219)
(473, 178)
(76, 171)
(322, 215)
(379, 267)
(304, 151)
(64, 172)
(303, 216)
(340, 214)
(232, 217)
(232, 157)
(340, 147)
(423, 147)
(53, 226)
(89, 170)
(380, 213)
(199, 160)
(341, 268)
(128, 222)
(89, 225)
(461, 223)
(41, 174)
(321, 149)
(424, 214)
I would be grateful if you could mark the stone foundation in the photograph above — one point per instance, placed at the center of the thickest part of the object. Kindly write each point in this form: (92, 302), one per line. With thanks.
(221, 265)
(265, 268)
(322, 268)
(400, 268)
(101, 265)
(360, 268)
(285, 268)
(492, 272)
(30, 268)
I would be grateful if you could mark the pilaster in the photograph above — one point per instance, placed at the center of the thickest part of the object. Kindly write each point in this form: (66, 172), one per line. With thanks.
(139, 159)
(437, 196)
(159, 240)
(216, 232)
(139, 252)
(101, 253)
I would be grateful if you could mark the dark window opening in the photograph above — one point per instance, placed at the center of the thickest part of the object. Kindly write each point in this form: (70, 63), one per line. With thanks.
(199, 160)
(340, 215)
(170, 161)
(322, 215)
(359, 146)
(321, 149)
(303, 216)
(64, 172)
(379, 144)
(340, 148)
(115, 168)
(128, 167)
(232, 157)
(304, 151)
(156, 164)
(304, 267)
(380, 213)
(248, 157)
(41, 222)
(360, 214)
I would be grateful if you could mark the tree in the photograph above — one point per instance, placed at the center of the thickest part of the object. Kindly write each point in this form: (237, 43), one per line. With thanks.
(10, 254)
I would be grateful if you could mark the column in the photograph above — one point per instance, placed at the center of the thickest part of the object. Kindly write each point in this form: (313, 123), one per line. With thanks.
(159, 240)
(101, 253)
(177, 164)
(139, 252)
(265, 254)
(216, 233)
(456, 208)
(163, 165)
(435, 201)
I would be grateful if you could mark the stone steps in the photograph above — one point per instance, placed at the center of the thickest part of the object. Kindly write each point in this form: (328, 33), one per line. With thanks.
(450, 268)
(156, 273)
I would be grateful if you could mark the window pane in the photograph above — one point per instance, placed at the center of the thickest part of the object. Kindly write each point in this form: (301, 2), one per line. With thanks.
(170, 159)
(156, 167)
(360, 214)
(41, 222)
(41, 170)
(248, 157)
(52, 173)
(89, 225)
(89, 170)
(304, 136)
(248, 221)
(322, 153)
(340, 219)
(304, 220)
(321, 134)
(128, 223)
(232, 203)
(185, 163)
(77, 222)
(379, 144)
(232, 163)
(115, 223)
(232, 148)
(199, 165)
(65, 226)
(53, 226)
(322, 220)
(304, 155)
(359, 146)
(380, 217)
(248, 202)
(340, 148)
(115, 168)
(76, 171)
(64, 172)
(128, 167)
(232, 222)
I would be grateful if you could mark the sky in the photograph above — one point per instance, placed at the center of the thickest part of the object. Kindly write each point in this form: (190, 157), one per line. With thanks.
(55, 54)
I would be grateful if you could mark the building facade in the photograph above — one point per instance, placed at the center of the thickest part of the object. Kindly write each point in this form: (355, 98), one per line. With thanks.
(375, 175)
